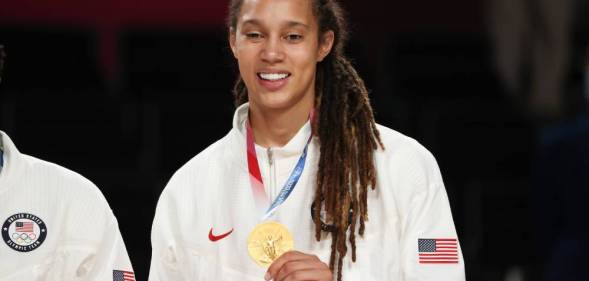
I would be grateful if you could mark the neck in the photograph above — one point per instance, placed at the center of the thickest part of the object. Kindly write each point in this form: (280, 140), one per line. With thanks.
(275, 128)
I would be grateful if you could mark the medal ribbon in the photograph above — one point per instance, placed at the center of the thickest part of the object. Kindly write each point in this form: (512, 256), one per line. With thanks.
(257, 184)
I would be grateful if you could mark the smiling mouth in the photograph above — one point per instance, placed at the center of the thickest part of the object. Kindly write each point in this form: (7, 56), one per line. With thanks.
(272, 76)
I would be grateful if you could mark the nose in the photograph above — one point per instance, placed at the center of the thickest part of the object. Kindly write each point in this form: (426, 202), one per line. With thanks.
(272, 51)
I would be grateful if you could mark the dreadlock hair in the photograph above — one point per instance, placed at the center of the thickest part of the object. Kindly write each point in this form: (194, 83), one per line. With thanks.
(347, 135)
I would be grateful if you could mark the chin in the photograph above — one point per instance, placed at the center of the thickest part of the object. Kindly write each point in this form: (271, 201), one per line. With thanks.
(276, 105)
(278, 102)
(283, 99)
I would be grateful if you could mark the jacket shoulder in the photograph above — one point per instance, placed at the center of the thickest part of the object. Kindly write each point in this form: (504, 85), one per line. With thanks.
(61, 180)
(200, 166)
(403, 158)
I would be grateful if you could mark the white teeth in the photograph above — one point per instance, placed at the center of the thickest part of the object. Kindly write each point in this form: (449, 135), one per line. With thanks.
(273, 76)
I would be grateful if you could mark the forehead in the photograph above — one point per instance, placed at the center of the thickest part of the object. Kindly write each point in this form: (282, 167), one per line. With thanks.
(274, 11)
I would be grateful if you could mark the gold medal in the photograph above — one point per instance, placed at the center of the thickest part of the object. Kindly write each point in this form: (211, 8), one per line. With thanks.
(268, 241)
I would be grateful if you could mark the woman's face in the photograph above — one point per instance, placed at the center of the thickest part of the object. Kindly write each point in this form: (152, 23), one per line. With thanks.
(277, 48)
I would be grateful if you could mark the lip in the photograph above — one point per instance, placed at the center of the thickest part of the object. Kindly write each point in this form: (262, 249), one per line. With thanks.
(273, 85)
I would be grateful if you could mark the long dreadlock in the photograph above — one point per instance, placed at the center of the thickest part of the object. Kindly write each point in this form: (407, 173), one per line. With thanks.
(347, 135)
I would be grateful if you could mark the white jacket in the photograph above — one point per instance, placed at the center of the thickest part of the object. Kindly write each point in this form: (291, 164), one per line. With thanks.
(211, 193)
(56, 225)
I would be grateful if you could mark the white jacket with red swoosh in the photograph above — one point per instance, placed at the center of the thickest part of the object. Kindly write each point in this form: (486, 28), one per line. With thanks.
(206, 212)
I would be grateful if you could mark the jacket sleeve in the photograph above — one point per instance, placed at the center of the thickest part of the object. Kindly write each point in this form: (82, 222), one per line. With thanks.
(111, 258)
(165, 257)
(430, 245)
(101, 258)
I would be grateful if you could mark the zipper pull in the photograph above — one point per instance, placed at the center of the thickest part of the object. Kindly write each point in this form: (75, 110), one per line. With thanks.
(269, 151)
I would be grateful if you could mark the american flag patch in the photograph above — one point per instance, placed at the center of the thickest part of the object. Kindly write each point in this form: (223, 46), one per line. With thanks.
(24, 226)
(120, 275)
(438, 250)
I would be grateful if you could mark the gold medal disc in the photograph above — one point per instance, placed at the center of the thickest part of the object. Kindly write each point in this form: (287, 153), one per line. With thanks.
(268, 241)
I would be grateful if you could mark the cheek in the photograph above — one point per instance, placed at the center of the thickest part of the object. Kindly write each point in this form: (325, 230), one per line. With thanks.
(304, 58)
(246, 59)
(306, 64)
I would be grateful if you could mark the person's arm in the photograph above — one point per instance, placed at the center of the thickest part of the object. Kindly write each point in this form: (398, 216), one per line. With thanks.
(102, 257)
(431, 249)
(426, 247)
(165, 263)
(111, 261)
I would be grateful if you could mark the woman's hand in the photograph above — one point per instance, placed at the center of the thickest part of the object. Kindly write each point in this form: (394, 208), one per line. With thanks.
(296, 266)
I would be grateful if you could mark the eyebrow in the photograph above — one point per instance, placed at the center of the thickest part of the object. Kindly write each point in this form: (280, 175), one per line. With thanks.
(288, 23)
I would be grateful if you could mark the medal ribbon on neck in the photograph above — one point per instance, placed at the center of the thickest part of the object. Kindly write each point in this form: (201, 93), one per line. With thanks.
(257, 184)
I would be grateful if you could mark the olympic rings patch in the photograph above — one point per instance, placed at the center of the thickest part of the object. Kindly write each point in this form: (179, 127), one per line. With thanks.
(24, 232)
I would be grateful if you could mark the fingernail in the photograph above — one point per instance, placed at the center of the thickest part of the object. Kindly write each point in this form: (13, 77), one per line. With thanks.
(267, 277)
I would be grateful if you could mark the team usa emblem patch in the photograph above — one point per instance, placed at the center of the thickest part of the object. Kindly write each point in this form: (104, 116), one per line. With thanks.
(121, 275)
(24, 232)
(438, 251)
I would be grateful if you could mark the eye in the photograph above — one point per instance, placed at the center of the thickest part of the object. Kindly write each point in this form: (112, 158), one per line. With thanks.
(294, 37)
(253, 35)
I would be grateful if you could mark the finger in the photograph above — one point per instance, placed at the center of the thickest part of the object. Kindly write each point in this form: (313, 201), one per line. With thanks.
(308, 275)
(293, 266)
(284, 258)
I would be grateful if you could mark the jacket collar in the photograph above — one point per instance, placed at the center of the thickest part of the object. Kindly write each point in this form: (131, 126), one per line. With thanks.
(294, 147)
(10, 155)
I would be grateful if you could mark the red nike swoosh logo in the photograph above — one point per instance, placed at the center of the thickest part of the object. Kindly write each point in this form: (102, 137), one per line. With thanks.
(216, 238)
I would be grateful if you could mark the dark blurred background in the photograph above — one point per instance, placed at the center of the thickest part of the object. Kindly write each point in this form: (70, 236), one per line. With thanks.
(125, 92)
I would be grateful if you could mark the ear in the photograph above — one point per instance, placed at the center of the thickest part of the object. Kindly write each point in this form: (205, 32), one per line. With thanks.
(325, 44)
(232, 38)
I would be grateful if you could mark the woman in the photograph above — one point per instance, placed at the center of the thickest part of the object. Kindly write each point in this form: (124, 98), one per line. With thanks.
(56, 224)
(288, 193)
